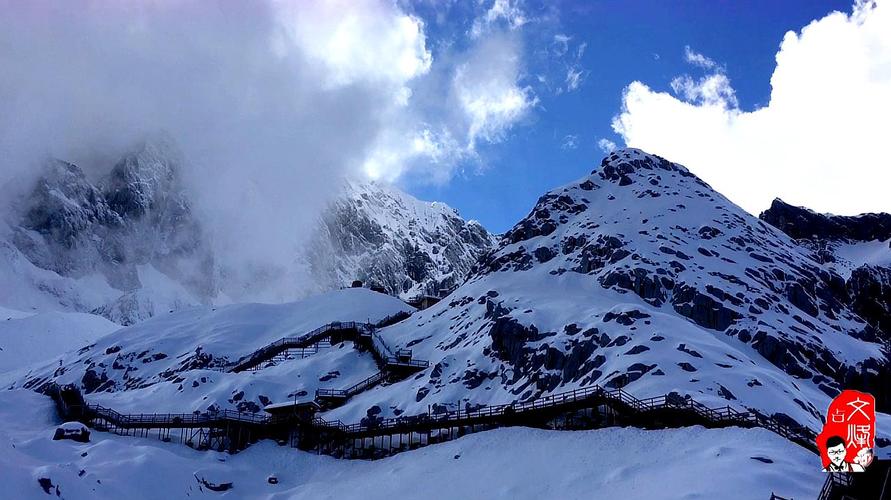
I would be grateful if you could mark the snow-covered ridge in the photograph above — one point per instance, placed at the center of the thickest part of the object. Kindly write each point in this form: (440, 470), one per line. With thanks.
(34, 338)
(378, 234)
(857, 248)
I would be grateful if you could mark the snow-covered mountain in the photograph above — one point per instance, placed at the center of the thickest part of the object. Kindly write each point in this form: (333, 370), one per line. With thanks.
(387, 238)
(75, 245)
(641, 276)
(128, 246)
(637, 276)
(171, 362)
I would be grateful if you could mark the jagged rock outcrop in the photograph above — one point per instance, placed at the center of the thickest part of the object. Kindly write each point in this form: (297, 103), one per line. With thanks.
(135, 224)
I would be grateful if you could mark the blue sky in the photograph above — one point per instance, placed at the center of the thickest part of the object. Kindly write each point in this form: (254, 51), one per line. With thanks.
(625, 41)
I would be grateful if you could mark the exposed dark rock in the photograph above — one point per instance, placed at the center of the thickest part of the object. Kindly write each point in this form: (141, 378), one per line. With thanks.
(687, 367)
(691, 352)
(802, 223)
(870, 291)
(702, 309)
(640, 281)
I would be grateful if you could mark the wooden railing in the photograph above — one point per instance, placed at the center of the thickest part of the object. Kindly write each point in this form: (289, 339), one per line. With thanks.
(354, 389)
(268, 351)
(375, 342)
(716, 416)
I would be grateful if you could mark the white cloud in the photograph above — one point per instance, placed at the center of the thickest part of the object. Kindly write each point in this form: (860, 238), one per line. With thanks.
(712, 89)
(434, 152)
(575, 73)
(570, 141)
(817, 143)
(574, 77)
(487, 90)
(606, 145)
(697, 59)
(356, 41)
(561, 44)
(506, 13)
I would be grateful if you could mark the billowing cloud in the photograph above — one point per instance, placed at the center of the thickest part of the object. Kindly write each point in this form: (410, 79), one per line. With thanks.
(487, 90)
(819, 140)
(355, 42)
(474, 94)
(271, 103)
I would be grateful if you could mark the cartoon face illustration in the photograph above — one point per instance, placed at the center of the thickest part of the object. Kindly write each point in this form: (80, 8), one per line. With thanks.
(835, 450)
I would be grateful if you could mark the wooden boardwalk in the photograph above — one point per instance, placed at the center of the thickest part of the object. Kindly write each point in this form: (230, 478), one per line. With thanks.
(299, 426)
(591, 407)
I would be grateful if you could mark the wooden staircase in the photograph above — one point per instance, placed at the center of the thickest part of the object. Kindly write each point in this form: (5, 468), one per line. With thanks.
(392, 366)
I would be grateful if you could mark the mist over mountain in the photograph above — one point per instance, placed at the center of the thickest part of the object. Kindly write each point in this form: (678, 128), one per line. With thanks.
(130, 244)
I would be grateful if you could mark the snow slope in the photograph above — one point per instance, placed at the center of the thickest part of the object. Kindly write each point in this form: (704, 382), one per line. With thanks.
(850, 256)
(515, 463)
(6, 313)
(167, 363)
(30, 339)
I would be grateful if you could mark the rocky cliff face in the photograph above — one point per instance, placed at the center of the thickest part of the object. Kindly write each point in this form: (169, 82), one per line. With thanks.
(384, 237)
